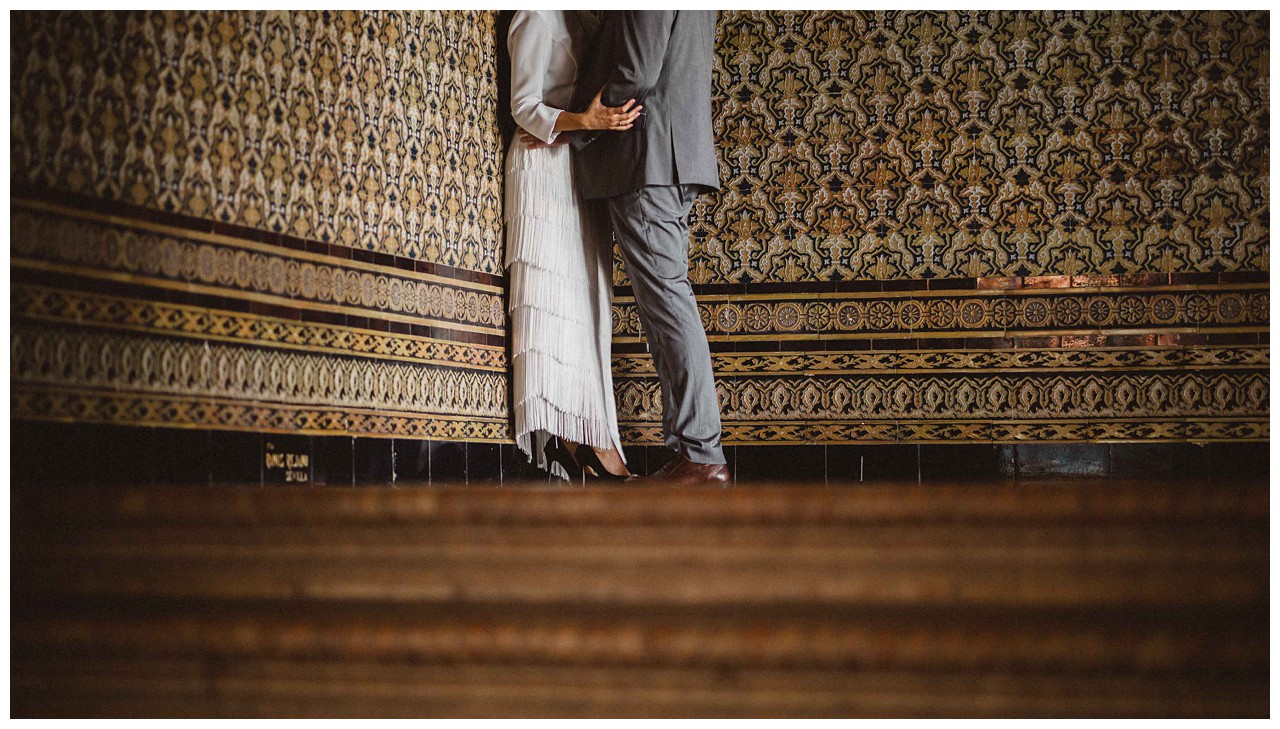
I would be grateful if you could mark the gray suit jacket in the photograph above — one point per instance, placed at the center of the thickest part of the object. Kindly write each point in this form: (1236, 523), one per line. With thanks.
(662, 59)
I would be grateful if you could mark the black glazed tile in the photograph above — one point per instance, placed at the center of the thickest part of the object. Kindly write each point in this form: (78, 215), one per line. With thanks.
(324, 317)
(960, 462)
(413, 460)
(897, 462)
(747, 345)
(448, 462)
(1179, 461)
(1243, 277)
(731, 460)
(293, 242)
(119, 454)
(52, 454)
(331, 462)
(847, 345)
(790, 463)
(952, 284)
(1191, 277)
(373, 459)
(656, 457)
(287, 459)
(1007, 460)
(48, 454)
(182, 456)
(516, 466)
(905, 284)
(859, 285)
(637, 459)
(1061, 459)
(237, 457)
(1239, 461)
(716, 289)
(940, 343)
(988, 343)
(484, 463)
(82, 453)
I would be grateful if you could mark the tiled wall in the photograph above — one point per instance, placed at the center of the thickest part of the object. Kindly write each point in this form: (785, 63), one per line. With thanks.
(943, 237)
(981, 227)
(243, 223)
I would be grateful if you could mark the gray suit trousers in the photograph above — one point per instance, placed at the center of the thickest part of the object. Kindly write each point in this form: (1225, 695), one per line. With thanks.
(652, 226)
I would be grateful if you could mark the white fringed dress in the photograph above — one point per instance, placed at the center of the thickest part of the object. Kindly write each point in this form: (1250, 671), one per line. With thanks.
(559, 253)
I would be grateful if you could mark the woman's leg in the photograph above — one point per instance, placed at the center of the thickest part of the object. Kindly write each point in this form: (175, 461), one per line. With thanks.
(612, 461)
(609, 458)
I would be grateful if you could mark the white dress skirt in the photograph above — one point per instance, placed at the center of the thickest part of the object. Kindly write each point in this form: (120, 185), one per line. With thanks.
(559, 259)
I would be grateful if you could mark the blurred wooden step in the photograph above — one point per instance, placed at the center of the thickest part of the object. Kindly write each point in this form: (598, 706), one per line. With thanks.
(837, 637)
(750, 546)
(1093, 501)
(696, 582)
(191, 688)
(1070, 599)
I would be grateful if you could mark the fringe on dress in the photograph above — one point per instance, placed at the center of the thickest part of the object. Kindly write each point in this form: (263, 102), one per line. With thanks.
(558, 256)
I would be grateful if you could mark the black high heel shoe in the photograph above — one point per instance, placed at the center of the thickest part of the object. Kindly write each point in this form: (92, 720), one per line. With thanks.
(560, 454)
(590, 460)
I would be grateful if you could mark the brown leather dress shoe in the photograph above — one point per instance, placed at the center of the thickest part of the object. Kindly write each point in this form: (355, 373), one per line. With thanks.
(681, 471)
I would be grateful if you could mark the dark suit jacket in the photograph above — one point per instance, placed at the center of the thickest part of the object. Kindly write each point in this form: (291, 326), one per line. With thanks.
(662, 59)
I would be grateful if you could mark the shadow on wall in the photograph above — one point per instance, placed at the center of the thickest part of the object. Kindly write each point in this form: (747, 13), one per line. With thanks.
(506, 124)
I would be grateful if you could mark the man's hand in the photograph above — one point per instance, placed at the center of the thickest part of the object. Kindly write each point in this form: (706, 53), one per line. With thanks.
(533, 142)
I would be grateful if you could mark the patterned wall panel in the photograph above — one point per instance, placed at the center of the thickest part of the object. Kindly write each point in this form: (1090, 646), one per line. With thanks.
(907, 145)
(281, 222)
(982, 226)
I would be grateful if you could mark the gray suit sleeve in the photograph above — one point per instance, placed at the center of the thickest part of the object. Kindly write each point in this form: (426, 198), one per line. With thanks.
(643, 38)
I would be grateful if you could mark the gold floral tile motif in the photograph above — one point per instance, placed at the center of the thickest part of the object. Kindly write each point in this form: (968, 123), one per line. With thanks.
(78, 358)
(783, 433)
(916, 144)
(877, 314)
(1020, 360)
(37, 402)
(375, 130)
(948, 397)
(91, 246)
(61, 306)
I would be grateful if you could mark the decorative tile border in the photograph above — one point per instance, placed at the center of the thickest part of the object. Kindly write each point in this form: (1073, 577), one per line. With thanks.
(90, 245)
(73, 357)
(36, 402)
(951, 313)
(925, 396)
(951, 361)
(1003, 396)
(59, 306)
(844, 433)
